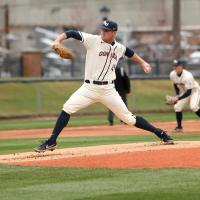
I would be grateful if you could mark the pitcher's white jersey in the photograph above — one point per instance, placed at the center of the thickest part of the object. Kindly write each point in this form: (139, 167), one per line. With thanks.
(101, 57)
(101, 61)
(185, 81)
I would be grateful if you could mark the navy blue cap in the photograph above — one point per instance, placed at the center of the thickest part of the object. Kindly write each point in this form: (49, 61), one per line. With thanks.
(109, 25)
(177, 62)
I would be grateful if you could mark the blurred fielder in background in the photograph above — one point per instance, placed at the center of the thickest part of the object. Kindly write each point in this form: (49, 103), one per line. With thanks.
(187, 91)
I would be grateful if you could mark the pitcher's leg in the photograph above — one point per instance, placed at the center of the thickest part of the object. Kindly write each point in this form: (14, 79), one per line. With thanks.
(115, 103)
(76, 102)
(144, 124)
(124, 99)
(61, 122)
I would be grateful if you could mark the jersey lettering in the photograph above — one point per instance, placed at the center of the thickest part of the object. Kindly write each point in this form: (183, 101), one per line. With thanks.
(105, 53)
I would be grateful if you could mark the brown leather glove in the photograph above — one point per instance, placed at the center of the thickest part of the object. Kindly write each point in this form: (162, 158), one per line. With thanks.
(63, 51)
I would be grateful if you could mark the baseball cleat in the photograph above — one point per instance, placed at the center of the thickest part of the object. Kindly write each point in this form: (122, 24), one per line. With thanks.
(46, 146)
(178, 130)
(166, 139)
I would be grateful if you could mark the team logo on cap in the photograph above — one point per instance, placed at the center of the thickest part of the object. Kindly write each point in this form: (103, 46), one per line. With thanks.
(105, 23)
(175, 62)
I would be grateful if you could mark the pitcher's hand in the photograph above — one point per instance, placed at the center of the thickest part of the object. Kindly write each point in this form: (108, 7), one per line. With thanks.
(146, 67)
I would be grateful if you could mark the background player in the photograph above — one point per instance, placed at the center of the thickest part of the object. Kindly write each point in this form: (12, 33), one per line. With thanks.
(122, 85)
(103, 54)
(187, 91)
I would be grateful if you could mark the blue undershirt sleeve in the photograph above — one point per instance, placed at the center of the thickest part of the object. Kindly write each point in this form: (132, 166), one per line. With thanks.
(129, 52)
(176, 89)
(73, 34)
(186, 94)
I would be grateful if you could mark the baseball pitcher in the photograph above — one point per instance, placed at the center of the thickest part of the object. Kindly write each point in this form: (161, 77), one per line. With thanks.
(103, 53)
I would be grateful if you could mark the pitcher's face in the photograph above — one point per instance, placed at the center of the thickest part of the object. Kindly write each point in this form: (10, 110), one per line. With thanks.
(108, 36)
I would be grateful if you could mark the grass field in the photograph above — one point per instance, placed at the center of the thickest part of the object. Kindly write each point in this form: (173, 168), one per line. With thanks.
(20, 183)
(83, 120)
(48, 97)
(58, 183)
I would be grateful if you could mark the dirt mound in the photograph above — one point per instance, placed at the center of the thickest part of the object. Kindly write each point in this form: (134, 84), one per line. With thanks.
(87, 156)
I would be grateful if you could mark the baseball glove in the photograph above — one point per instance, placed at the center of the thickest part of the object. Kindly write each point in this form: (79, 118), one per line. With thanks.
(171, 100)
(63, 51)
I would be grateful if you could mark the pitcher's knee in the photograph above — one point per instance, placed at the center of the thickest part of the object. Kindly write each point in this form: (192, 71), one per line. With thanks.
(130, 119)
(68, 109)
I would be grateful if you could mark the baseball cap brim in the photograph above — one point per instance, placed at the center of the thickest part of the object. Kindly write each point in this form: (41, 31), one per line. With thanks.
(178, 63)
(102, 27)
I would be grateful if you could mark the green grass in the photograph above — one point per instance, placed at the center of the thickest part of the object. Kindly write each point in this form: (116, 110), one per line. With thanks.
(57, 183)
(33, 183)
(24, 145)
(48, 97)
(49, 123)
(83, 120)
(37, 98)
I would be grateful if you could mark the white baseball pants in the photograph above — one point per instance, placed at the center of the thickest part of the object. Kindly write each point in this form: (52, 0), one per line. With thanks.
(88, 94)
(193, 101)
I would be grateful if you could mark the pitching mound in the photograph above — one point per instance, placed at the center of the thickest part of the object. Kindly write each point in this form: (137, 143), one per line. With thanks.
(134, 155)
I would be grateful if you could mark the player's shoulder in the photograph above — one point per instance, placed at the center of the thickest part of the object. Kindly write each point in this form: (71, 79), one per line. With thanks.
(85, 35)
(120, 46)
(172, 74)
(187, 73)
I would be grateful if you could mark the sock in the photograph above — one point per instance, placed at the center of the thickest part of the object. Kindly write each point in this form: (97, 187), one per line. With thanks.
(179, 117)
(60, 124)
(198, 112)
(143, 124)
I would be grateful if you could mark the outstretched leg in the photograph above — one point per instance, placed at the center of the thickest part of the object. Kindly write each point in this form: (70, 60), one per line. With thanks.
(145, 125)
(62, 121)
(115, 103)
(50, 144)
(77, 101)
